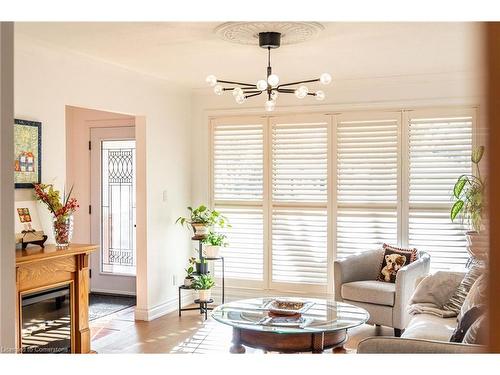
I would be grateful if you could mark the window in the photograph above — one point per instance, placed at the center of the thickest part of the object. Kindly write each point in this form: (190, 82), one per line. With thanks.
(303, 190)
(439, 149)
(367, 181)
(238, 180)
(299, 223)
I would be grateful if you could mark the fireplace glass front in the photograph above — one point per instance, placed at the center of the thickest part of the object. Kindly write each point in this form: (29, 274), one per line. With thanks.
(46, 321)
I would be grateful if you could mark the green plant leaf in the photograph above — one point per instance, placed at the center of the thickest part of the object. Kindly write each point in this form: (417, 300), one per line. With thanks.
(477, 154)
(201, 208)
(455, 210)
(459, 186)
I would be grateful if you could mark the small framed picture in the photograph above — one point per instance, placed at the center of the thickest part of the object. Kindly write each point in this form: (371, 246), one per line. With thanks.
(27, 153)
(27, 223)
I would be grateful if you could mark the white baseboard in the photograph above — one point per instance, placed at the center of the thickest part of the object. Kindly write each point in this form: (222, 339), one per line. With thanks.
(111, 291)
(163, 308)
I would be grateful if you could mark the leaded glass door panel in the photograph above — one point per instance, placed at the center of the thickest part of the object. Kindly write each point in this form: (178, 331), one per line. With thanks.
(113, 209)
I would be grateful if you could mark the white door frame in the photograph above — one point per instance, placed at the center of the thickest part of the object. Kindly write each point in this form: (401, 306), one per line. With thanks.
(100, 281)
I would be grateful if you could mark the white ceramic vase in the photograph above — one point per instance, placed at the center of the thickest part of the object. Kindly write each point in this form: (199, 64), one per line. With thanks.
(205, 294)
(212, 251)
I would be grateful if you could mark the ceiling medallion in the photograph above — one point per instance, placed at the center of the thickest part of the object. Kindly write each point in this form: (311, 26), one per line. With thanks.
(270, 86)
(248, 32)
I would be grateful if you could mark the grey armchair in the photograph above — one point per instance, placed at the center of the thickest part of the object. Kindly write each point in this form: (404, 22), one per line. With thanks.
(356, 283)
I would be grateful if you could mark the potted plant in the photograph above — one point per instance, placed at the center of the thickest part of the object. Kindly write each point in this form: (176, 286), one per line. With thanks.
(201, 266)
(201, 219)
(188, 280)
(213, 242)
(468, 194)
(203, 284)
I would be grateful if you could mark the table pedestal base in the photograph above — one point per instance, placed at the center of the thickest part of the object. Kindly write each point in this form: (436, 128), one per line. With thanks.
(315, 342)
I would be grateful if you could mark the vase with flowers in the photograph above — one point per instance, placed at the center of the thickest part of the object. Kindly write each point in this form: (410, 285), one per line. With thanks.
(61, 208)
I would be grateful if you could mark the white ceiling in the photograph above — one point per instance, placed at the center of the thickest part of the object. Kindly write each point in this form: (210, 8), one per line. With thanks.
(185, 53)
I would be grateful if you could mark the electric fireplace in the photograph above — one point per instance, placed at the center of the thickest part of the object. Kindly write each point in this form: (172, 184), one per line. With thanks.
(46, 320)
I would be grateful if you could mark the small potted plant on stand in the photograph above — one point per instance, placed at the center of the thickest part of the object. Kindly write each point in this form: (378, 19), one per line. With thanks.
(201, 219)
(188, 280)
(201, 266)
(213, 242)
(468, 193)
(203, 284)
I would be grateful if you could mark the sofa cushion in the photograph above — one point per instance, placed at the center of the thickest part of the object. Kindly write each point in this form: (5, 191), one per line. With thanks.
(476, 295)
(457, 299)
(430, 327)
(369, 291)
(466, 321)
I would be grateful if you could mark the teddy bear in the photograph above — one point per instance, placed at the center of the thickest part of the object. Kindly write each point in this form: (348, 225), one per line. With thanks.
(394, 262)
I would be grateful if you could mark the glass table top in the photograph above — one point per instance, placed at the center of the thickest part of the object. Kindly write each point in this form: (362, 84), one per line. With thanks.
(323, 315)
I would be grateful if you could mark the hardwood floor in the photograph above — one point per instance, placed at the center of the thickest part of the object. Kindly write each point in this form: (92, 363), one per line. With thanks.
(119, 333)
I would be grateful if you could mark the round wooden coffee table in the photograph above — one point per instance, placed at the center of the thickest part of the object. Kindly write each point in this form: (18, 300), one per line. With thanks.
(323, 326)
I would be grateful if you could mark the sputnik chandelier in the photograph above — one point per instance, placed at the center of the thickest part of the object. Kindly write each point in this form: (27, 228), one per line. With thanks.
(270, 86)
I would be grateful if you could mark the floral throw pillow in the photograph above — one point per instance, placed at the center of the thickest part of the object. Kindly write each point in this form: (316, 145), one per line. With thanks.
(394, 259)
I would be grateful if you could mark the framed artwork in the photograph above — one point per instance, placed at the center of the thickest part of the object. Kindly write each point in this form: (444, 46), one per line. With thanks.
(27, 153)
(28, 227)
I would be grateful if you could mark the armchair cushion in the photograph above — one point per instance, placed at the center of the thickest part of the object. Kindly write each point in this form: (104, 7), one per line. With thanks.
(369, 291)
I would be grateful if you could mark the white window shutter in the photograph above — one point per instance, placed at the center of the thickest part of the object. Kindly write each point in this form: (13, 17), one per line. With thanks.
(237, 192)
(299, 224)
(440, 146)
(367, 181)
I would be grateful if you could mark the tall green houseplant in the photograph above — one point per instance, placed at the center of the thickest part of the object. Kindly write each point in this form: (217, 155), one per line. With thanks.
(468, 194)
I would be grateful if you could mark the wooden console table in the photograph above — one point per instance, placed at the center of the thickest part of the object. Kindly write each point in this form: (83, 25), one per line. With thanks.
(38, 269)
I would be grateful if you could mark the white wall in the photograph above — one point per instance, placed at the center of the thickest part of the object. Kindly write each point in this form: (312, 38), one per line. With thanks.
(48, 79)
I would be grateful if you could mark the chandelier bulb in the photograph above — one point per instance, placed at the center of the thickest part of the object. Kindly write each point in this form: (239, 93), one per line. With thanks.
(325, 79)
(240, 99)
(237, 91)
(270, 104)
(211, 80)
(301, 92)
(218, 90)
(320, 95)
(273, 80)
(261, 85)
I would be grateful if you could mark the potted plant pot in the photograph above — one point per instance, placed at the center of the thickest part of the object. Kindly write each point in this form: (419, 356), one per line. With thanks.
(205, 294)
(201, 268)
(200, 229)
(212, 251)
(188, 281)
(477, 245)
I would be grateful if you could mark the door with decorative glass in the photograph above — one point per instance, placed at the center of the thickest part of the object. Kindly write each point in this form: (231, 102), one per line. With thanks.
(113, 210)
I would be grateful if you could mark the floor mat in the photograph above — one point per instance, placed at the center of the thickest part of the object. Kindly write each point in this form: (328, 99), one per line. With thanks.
(102, 304)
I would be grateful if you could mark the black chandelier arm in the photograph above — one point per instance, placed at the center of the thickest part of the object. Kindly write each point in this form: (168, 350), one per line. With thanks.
(250, 85)
(286, 91)
(298, 82)
(251, 95)
(251, 91)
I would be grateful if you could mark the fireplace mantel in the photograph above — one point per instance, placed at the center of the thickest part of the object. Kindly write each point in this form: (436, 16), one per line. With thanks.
(39, 269)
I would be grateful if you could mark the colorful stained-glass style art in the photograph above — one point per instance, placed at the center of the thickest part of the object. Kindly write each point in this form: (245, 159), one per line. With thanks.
(27, 153)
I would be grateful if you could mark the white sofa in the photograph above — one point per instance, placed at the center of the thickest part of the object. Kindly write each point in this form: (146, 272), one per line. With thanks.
(425, 333)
